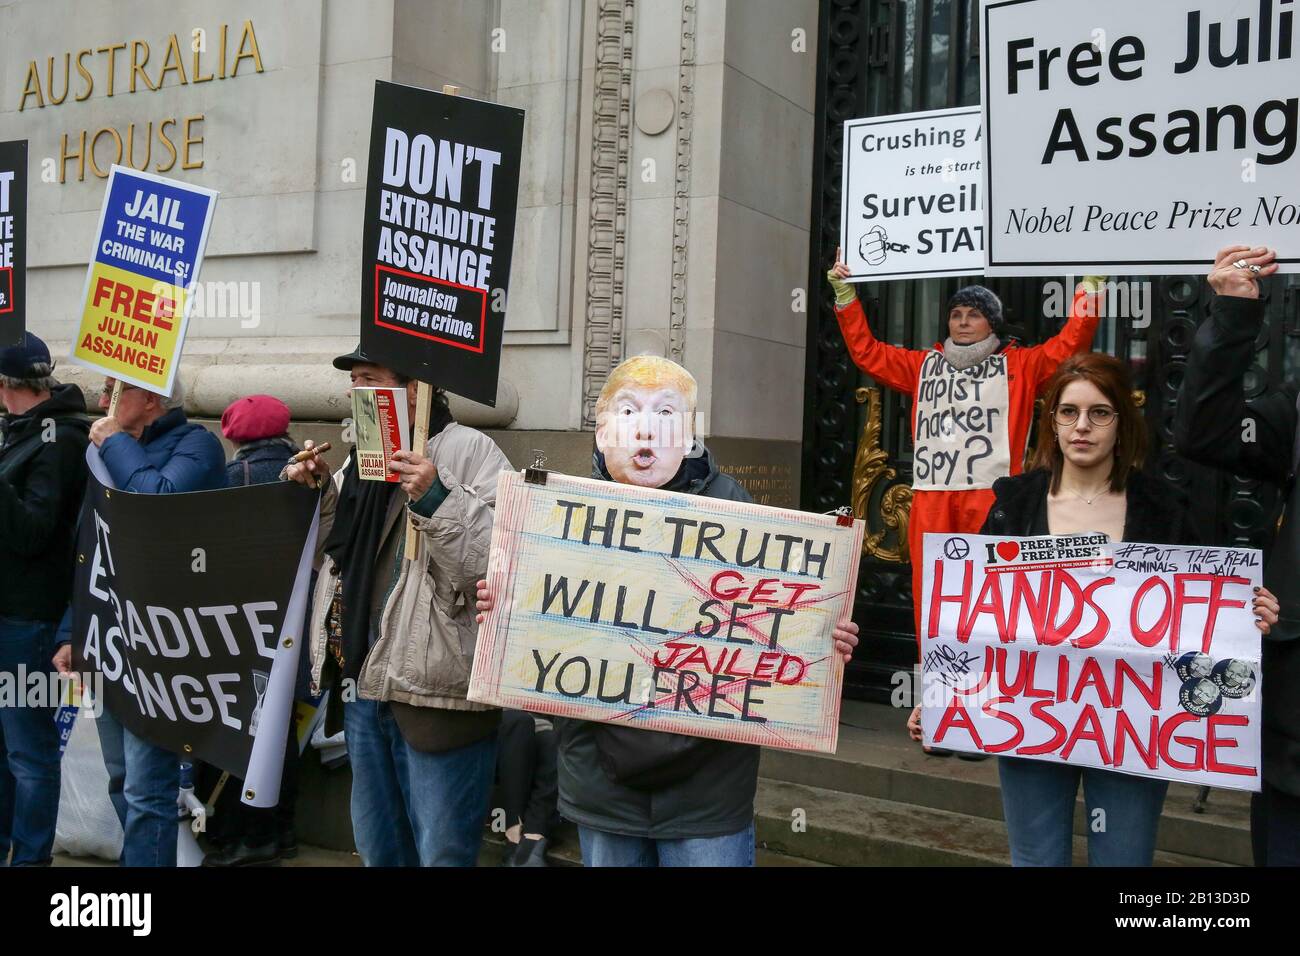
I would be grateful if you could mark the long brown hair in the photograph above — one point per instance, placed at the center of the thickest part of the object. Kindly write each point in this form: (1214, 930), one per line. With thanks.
(1112, 378)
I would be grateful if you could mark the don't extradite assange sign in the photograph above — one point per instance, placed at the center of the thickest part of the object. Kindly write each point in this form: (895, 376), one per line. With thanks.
(1139, 138)
(441, 196)
(666, 611)
(1142, 658)
(196, 632)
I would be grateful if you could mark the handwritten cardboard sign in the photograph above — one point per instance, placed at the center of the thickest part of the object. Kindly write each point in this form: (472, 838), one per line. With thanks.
(1140, 658)
(667, 611)
(961, 435)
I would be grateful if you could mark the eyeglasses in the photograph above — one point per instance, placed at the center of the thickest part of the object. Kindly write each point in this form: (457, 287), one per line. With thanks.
(1099, 415)
(107, 390)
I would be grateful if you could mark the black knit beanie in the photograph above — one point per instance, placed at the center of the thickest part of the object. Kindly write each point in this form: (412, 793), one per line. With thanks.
(976, 297)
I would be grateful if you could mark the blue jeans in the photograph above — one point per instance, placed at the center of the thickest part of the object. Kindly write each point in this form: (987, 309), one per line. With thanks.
(149, 781)
(411, 808)
(1123, 813)
(600, 848)
(29, 748)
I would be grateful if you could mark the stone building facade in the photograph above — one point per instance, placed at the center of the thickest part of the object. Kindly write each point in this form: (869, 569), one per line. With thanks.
(664, 205)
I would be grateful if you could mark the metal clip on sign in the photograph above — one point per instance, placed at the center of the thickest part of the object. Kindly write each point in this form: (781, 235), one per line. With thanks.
(535, 474)
(843, 516)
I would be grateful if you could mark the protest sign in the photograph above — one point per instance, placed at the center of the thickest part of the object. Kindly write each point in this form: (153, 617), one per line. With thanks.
(1138, 138)
(912, 195)
(441, 195)
(1141, 658)
(195, 634)
(13, 242)
(961, 434)
(666, 611)
(136, 304)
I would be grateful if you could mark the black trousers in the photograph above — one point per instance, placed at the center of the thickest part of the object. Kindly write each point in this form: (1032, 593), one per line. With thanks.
(257, 826)
(1275, 827)
(526, 770)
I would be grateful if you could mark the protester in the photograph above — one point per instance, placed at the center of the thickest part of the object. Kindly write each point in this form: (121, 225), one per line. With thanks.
(149, 447)
(973, 343)
(42, 479)
(395, 638)
(1087, 476)
(258, 425)
(1216, 424)
(244, 835)
(526, 771)
(640, 797)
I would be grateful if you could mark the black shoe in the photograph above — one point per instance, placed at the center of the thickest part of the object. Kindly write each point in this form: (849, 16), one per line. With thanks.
(531, 853)
(244, 855)
(286, 842)
(508, 855)
(936, 752)
(966, 756)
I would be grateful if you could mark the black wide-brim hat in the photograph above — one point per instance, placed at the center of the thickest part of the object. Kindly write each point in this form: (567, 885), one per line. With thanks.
(344, 363)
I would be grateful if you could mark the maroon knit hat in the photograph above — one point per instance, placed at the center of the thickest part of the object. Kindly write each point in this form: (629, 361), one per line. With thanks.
(255, 417)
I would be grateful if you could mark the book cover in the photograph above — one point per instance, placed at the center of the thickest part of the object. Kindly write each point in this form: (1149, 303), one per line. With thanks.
(382, 425)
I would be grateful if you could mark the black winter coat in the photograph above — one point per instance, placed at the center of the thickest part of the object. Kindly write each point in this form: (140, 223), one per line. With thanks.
(717, 799)
(41, 486)
(1155, 513)
(1258, 438)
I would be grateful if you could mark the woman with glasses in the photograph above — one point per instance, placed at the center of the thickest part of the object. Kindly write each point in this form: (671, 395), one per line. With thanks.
(1086, 476)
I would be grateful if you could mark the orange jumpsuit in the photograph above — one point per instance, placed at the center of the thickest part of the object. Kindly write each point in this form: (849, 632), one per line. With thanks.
(969, 427)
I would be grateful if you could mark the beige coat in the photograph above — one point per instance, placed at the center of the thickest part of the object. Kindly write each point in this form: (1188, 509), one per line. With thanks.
(427, 631)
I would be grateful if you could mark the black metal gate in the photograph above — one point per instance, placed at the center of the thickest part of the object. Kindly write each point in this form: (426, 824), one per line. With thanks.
(878, 57)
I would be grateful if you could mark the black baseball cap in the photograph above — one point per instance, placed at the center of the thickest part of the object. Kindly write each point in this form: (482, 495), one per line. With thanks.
(20, 361)
(344, 363)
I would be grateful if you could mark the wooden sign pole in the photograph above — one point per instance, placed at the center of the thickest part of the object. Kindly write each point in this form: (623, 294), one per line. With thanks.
(117, 395)
(423, 399)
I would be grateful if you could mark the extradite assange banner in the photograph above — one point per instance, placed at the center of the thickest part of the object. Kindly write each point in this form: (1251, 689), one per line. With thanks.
(912, 205)
(136, 305)
(192, 608)
(1139, 138)
(665, 611)
(441, 195)
(1142, 658)
(13, 242)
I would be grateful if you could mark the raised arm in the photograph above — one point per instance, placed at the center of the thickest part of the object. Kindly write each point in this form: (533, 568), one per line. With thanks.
(1076, 336)
(1214, 423)
(892, 366)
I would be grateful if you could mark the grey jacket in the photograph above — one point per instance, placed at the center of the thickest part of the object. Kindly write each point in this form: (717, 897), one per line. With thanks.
(425, 647)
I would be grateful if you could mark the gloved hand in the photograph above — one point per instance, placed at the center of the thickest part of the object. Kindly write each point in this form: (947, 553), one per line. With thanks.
(844, 293)
(1094, 284)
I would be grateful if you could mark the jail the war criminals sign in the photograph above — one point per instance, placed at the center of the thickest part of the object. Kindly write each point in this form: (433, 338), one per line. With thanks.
(143, 270)
(441, 196)
(191, 608)
(1141, 658)
(665, 611)
(1139, 138)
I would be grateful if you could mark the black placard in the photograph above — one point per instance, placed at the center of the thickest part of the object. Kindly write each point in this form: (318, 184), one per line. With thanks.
(441, 194)
(179, 603)
(13, 241)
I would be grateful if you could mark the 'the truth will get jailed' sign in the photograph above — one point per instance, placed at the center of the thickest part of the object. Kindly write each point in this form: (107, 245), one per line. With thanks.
(666, 611)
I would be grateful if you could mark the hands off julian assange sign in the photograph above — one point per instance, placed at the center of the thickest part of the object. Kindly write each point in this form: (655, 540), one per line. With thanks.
(1141, 658)
(1139, 138)
(664, 611)
(912, 189)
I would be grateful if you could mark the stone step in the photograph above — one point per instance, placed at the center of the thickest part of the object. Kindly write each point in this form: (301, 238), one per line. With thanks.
(565, 851)
(876, 759)
(850, 829)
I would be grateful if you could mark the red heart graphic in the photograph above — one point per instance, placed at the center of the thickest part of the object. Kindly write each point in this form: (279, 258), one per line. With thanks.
(1008, 550)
